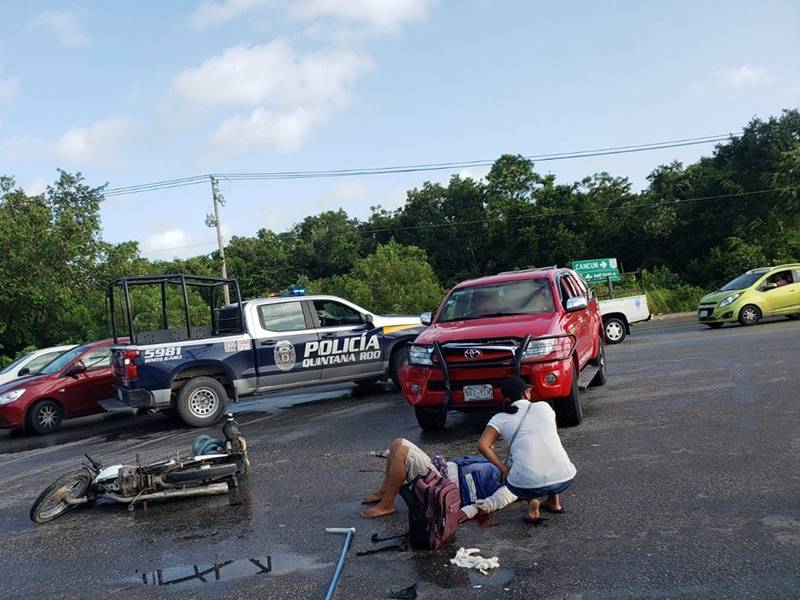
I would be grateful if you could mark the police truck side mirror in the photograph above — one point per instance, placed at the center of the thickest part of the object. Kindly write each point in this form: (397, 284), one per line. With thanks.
(369, 321)
(426, 318)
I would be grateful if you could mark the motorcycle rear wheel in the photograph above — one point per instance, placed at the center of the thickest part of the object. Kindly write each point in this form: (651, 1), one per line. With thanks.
(52, 502)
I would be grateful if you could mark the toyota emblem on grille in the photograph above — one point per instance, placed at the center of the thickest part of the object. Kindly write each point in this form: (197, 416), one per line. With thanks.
(472, 354)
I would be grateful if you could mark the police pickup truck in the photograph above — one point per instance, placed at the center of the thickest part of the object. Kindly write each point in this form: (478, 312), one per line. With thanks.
(210, 351)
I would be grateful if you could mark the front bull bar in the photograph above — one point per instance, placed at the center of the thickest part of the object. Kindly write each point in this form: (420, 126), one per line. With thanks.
(437, 346)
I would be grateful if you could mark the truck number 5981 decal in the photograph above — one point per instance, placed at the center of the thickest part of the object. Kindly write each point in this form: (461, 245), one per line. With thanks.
(162, 354)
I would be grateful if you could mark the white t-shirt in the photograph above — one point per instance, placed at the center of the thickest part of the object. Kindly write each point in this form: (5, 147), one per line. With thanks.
(538, 457)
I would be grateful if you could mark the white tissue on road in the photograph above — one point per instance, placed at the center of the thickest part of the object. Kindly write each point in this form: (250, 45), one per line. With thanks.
(470, 559)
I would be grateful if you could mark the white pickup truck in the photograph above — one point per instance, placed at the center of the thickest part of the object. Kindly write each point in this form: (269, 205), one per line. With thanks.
(619, 313)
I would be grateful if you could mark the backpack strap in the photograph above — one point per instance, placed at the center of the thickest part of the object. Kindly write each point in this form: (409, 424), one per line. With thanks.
(513, 437)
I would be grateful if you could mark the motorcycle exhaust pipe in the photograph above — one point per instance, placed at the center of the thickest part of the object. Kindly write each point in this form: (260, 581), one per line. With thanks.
(208, 490)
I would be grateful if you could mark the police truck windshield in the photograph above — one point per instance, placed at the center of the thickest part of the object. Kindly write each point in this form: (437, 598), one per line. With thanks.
(500, 299)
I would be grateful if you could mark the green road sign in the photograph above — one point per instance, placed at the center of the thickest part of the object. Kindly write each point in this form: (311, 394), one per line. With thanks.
(598, 269)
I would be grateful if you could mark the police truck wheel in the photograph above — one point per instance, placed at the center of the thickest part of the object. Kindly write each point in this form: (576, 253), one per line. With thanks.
(201, 402)
(399, 358)
(44, 417)
(614, 330)
(431, 419)
(568, 409)
(749, 315)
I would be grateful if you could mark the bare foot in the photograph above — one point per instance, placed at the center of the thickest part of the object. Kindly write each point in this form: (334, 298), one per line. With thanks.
(533, 510)
(377, 511)
(372, 498)
(553, 505)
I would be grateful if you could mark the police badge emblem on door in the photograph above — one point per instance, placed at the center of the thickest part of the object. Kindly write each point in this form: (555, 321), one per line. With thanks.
(284, 355)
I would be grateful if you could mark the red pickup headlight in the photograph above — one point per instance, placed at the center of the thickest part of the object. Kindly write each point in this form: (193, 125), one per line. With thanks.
(549, 348)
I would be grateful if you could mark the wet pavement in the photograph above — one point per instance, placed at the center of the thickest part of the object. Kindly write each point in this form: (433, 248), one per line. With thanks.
(688, 487)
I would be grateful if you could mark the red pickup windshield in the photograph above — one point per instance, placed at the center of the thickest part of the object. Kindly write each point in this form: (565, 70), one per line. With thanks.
(497, 300)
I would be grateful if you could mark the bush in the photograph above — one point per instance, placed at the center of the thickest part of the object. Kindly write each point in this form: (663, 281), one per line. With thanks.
(395, 279)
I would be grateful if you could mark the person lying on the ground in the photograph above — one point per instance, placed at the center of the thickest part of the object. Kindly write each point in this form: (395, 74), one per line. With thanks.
(540, 467)
(406, 461)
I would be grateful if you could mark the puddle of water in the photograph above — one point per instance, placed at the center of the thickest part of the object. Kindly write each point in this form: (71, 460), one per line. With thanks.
(494, 578)
(189, 576)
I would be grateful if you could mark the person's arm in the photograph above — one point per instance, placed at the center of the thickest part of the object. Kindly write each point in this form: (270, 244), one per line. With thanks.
(486, 448)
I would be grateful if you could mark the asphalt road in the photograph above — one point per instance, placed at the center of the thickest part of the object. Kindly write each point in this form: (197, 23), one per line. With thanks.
(688, 487)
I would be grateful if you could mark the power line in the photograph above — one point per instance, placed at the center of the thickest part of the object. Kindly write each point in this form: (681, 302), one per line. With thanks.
(414, 168)
(536, 217)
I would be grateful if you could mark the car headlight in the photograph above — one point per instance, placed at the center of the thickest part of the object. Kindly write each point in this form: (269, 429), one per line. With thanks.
(537, 348)
(9, 397)
(730, 299)
(553, 348)
(420, 355)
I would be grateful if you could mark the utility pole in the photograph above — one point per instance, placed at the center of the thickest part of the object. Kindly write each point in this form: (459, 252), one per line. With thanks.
(213, 221)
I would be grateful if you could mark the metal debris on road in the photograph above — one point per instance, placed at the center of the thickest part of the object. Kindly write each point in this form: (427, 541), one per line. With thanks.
(470, 559)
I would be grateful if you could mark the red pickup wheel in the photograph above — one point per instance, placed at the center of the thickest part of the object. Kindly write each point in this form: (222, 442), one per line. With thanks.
(568, 409)
(431, 419)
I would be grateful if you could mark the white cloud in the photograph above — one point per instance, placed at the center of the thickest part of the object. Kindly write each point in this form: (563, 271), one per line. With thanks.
(175, 242)
(271, 73)
(214, 13)
(285, 93)
(8, 89)
(35, 186)
(378, 15)
(65, 25)
(744, 75)
(262, 128)
(100, 143)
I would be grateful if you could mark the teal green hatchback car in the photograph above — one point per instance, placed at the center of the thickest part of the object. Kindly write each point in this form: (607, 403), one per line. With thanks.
(766, 292)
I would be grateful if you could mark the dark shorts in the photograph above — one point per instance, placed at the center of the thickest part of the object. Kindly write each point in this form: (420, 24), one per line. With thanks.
(532, 493)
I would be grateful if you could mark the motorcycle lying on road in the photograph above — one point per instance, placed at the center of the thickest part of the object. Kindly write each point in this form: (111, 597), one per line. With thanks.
(214, 467)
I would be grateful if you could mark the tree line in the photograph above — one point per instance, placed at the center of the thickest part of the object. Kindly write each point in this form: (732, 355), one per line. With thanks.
(691, 229)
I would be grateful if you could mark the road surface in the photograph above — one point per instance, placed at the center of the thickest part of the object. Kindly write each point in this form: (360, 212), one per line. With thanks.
(688, 487)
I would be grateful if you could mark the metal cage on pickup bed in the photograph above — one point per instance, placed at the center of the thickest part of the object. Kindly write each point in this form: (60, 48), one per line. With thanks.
(226, 320)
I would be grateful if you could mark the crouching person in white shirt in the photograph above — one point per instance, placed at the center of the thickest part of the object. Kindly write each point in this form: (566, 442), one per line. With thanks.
(540, 469)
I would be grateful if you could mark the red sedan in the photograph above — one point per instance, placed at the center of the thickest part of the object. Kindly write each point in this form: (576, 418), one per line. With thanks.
(70, 386)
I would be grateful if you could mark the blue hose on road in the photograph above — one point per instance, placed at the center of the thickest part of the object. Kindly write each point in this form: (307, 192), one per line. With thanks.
(350, 531)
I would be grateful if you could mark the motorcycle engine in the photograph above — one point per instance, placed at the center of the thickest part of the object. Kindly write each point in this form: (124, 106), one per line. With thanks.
(128, 481)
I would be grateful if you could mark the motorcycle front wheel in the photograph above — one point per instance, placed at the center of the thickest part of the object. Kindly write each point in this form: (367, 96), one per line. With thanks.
(52, 502)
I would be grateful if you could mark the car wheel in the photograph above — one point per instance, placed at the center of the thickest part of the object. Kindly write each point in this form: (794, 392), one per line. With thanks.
(568, 409)
(599, 361)
(749, 315)
(614, 330)
(399, 358)
(431, 419)
(714, 325)
(201, 402)
(44, 417)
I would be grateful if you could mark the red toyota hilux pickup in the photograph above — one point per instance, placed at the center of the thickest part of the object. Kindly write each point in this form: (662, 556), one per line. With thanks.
(543, 324)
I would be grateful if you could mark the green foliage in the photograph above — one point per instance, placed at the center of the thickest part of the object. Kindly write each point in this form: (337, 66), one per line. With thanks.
(395, 279)
(693, 228)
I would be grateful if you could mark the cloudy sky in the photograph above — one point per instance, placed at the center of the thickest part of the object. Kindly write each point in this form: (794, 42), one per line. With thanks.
(130, 93)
